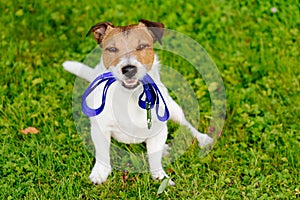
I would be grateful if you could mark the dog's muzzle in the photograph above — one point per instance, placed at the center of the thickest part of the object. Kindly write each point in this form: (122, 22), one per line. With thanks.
(129, 71)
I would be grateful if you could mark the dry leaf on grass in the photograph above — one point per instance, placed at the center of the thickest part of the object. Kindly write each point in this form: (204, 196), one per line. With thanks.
(30, 130)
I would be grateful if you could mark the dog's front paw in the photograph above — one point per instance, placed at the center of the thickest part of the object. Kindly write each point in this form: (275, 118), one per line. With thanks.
(99, 173)
(160, 175)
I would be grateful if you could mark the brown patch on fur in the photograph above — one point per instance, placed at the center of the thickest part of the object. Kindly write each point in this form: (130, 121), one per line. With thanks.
(99, 30)
(156, 28)
(126, 40)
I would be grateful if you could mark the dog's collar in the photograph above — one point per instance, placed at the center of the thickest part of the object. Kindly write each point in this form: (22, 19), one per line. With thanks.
(151, 93)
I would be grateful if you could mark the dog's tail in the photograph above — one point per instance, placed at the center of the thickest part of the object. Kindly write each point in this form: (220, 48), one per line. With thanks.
(81, 70)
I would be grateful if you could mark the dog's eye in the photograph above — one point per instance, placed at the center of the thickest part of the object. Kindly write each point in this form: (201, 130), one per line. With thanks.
(142, 46)
(111, 49)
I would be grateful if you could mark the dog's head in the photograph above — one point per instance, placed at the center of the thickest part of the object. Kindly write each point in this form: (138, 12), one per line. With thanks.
(128, 50)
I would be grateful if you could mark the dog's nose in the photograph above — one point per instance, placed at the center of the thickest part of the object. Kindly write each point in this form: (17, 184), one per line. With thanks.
(129, 70)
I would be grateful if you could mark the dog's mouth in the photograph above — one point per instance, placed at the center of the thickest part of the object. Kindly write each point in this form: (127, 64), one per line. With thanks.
(130, 83)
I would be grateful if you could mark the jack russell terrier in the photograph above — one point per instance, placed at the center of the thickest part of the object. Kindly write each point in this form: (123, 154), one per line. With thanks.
(128, 57)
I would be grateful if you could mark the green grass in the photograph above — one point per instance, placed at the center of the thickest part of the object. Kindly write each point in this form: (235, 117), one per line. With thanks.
(257, 54)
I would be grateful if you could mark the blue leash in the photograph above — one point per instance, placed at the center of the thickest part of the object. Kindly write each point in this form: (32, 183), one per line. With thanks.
(151, 93)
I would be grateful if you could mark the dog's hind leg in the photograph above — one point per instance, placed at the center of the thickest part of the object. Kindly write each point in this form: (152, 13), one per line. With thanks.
(177, 115)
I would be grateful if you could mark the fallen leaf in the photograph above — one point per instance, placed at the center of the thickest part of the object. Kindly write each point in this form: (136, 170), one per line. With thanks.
(30, 130)
(170, 170)
(163, 186)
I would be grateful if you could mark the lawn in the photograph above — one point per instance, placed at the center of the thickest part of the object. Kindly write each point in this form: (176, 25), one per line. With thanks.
(255, 45)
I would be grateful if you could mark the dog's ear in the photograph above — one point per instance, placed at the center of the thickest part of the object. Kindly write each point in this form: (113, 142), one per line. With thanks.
(99, 30)
(156, 28)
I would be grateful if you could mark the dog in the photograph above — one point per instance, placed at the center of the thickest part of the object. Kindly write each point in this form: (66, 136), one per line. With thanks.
(129, 55)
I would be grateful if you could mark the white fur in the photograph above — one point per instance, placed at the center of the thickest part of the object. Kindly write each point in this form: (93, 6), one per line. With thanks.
(124, 120)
